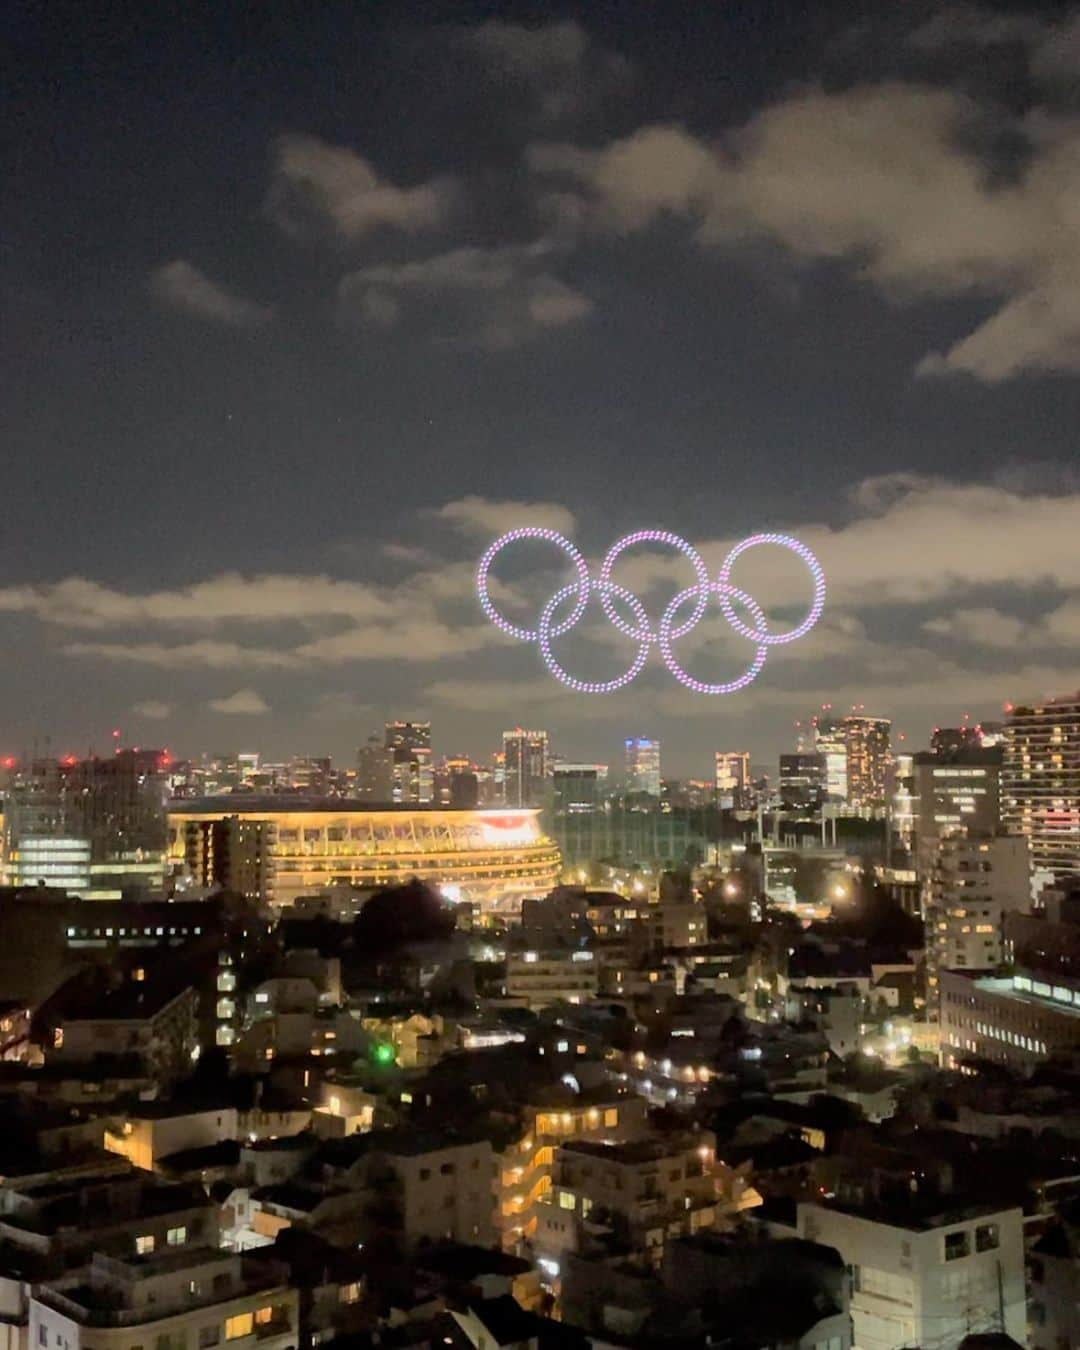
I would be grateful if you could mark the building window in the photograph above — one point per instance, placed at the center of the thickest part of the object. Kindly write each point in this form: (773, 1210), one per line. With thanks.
(176, 1237)
(264, 1316)
(241, 1325)
(987, 1238)
(957, 1244)
(144, 1244)
(209, 1336)
(567, 1200)
(611, 1117)
(349, 1293)
(42, 1334)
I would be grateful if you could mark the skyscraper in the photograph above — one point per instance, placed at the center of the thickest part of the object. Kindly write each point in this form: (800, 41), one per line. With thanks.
(375, 772)
(525, 755)
(866, 741)
(413, 774)
(803, 781)
(643, 765)
(1041, 782)
(954, 788)
(732, 776)
(830, 740)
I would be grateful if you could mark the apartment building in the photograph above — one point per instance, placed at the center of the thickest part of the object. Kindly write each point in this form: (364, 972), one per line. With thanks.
(526, 1162)
(975, 880)
(172, 1300)
(926, 1277)
(636, 1194)
(535, 979)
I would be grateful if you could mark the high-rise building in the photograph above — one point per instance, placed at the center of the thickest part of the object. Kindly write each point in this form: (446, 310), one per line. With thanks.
(866, 741)
(830, 740)
(956, 788)
(575, 811)
(803, 781)
(976, 880)
(375, 772)
(119, 806)
(643, 765)
(413, 778)
(525, 756)
(733, 777)
(1041, 782)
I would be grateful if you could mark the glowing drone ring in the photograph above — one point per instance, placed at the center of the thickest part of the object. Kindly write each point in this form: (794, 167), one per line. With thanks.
(761, 633)
(550, 537)
(643, 636)
(727, 593)
(654, 537)
(640, 629)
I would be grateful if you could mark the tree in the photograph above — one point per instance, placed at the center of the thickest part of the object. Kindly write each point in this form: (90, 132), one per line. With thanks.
(399, 915)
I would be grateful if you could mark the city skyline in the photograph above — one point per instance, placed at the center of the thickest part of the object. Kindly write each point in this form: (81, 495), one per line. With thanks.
(281, 398)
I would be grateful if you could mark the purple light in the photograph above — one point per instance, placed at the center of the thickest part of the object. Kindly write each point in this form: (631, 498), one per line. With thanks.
(725, 590)
(655, 537)
(551, 537)
(640, 629)
(762, 634)
(596, 686)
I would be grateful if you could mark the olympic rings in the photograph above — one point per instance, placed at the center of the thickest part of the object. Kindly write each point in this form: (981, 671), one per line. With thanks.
(640, 629)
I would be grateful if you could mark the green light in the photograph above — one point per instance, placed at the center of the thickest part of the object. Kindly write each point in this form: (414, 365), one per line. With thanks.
(384, 1054)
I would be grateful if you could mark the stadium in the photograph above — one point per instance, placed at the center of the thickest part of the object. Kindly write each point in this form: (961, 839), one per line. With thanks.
(277, 849)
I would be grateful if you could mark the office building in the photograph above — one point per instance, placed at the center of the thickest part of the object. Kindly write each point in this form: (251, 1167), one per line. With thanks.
(490, 857)
(732, 778)
(955, 788)
(575, 808)
(830, 740)
(866, 742)
(643, 766)
(1025, 1017)
(976, 879)
(803, 782)
(375, 773)
(412, 776)
(525, 758)
(1041, 782)
(50, 861)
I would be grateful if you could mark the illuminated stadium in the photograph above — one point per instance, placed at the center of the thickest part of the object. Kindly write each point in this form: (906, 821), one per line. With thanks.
(277, 849)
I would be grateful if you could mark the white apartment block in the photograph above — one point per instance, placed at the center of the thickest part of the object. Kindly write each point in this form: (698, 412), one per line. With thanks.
(927, 1282)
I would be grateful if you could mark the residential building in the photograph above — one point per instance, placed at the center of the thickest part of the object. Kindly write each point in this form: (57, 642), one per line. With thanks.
(641, 1193)
(536, 978)
(925, 1274)
(178, 1297)
(866, 741)
(976, 880)
(1041, 782)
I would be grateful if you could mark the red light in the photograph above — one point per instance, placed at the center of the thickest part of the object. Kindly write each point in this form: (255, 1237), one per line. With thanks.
(116, 733)
(70, 759)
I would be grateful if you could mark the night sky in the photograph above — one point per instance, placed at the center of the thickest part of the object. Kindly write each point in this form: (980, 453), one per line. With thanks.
(300, 306)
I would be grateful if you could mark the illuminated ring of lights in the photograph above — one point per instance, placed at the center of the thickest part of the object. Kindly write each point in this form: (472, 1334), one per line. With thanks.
(727, 592)
(761, 635)
(653, 537)
(643, 635)
(582, 584)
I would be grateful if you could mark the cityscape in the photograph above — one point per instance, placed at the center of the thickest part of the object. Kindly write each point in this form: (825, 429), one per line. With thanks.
(368, 983)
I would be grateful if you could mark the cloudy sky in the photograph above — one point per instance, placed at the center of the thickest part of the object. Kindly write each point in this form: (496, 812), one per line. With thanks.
(300, 306)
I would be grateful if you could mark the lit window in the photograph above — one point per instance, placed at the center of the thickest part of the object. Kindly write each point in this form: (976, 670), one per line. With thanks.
(611, 1117)
(241, 1325)
(567, 1200)
(263, 1316)
(144, 1244)
(350, 1293)
(176, 1237)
